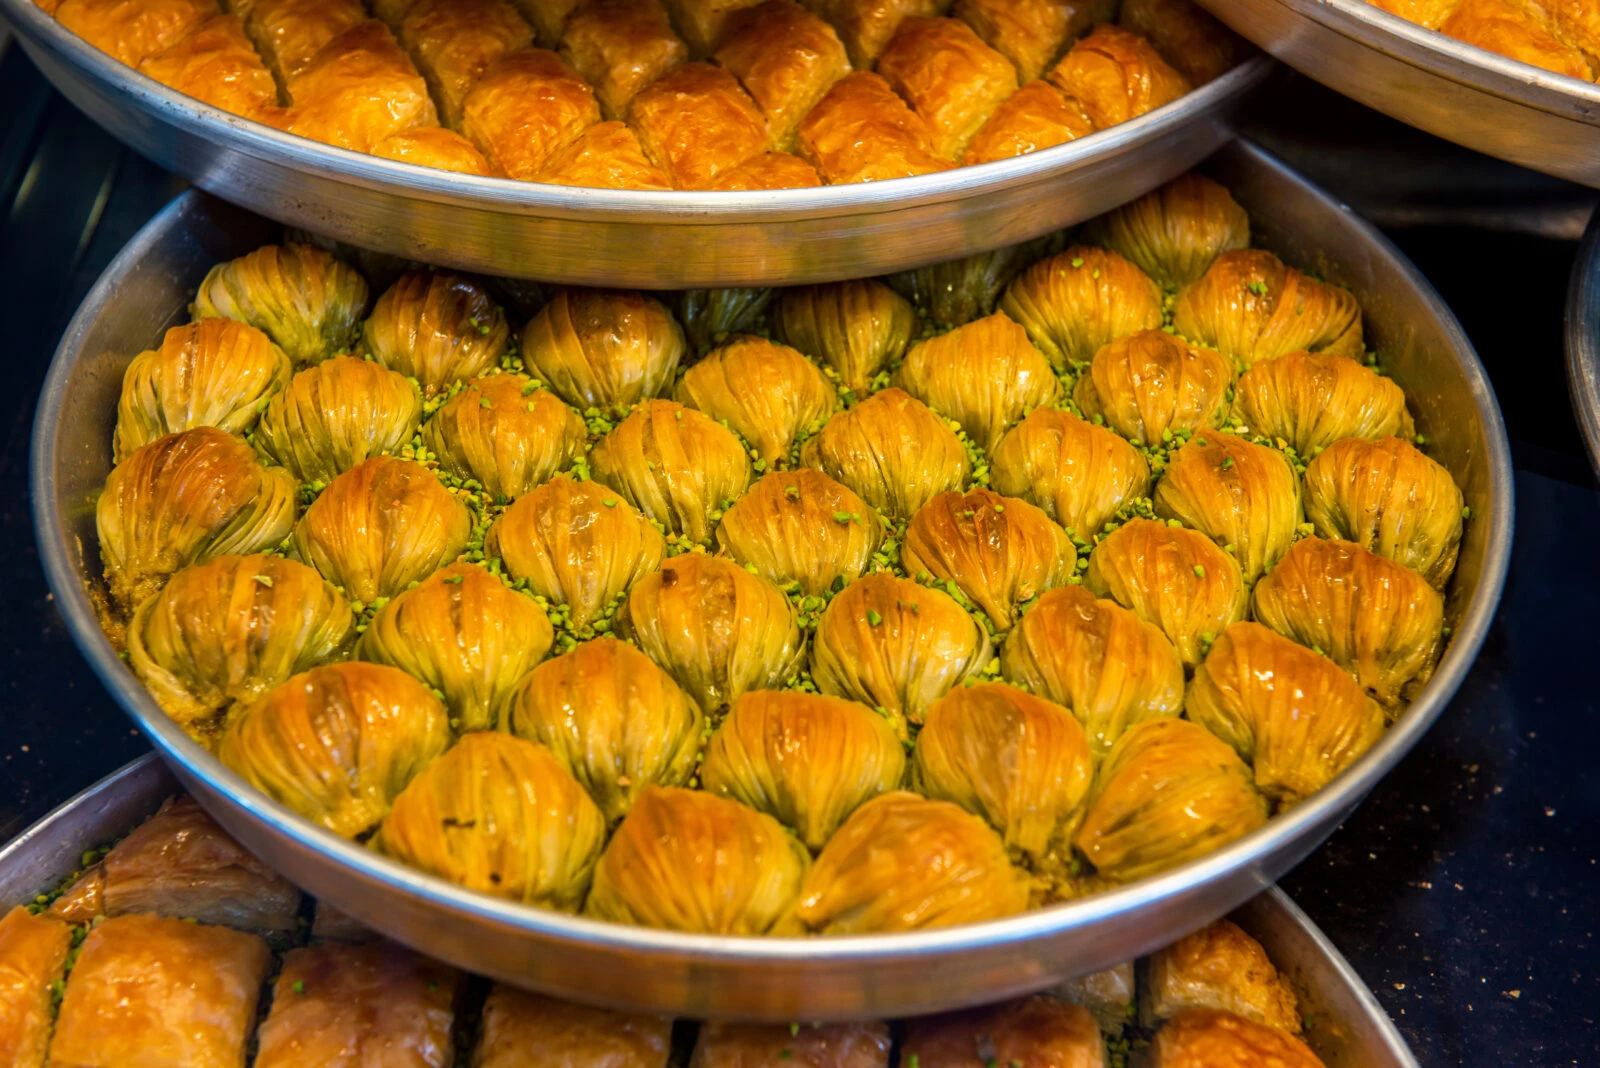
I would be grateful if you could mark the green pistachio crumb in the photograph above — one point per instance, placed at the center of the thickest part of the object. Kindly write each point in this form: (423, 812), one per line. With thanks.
(1199, 571)
(873, 618)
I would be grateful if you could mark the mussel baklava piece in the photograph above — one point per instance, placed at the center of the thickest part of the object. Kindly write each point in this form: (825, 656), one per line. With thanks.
(985, 375)
(33, 956)
(1244, 495)
(861, 131)
(520, 1029)
(155, 990)
(604, 349)
(1152, 385)
(856, 328)
(1174, 233)
(714, 317)
(1310, 402)
(956, 292)
(765, 392)
(360, 1005)
(307, 301)
(801, 529)
(859, 1044)
(505, 433)
(892, 450)
(1076, 302)
(1250, 306)
(612, 718)
(438, 328)
(1039, 1030)
(1079, 473)
(336, 414)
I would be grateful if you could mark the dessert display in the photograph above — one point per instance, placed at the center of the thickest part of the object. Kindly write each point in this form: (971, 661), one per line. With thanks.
(1559, 35)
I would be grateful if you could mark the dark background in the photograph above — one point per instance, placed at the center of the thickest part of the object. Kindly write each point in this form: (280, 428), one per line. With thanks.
(1464, 890)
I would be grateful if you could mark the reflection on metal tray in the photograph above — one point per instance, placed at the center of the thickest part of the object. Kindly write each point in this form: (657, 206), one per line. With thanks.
(148, 288)
(1348, 1027)
(631, 238)
(1476, 98)
(1583, 339)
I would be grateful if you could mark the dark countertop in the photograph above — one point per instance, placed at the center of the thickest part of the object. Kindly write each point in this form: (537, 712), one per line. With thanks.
(1465, 889)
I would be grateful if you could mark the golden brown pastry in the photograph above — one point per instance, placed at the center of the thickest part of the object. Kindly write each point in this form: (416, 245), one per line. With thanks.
(696, 123)
(524, 109)
(786, 58)
(437, 327)
(521, 1029)
(1117, 76)
(1378, 620)
(1168, 793)
(1020, 761)
(856, 328)
(155, 990)
(803, 528)
(330, 925)
(903, 863)
(1250, 307)
(892, 450)
(714, 317)
(290, 33)
(1427, 12)
(1041, 1032)
(506, 434)
(770, 170)
(549, 17)
(767, 393)
(1150, 385)
(1107, 994)
(335, 415)
(381, 525)
(607, 349)
(605, 156)
(1080, 300)
(896, 645)
(612, 718)
(1035, 117)
(1205, 1038)
(807, 760)
(1032, 34)
(1244, 495)
(955, 292)
(866, 26)
(454, 41)
(860, 131)
(463, 633)
(705, 23)
(950, 78)
(338, 743)
(184, 499)
(1000, 551)
(1175, 232)
(716, 628)
(1220, 967)
(1577, 22)
(1197, 45)
(499, 815)
(133, 30)
(1518, 31)
(985, 375)
(1290, 713)
(436, 147)
(1079, 473)
(1312, 401)
(577, 545)
(1386, 496)
(676, 465)
(179, 863)
(354, 1006)
(359, 89)
(686, 860)
(309, 303)
(33, 954)
(619, 47)
(214, 372)
(1111, 668)
(1173, 577)
(216, 64)
(862, 1044)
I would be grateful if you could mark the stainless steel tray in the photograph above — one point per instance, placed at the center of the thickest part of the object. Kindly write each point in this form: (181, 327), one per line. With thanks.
(1349, 1027)
(148, 287)
(1583, 339)
(629, 238)
(1484, 101)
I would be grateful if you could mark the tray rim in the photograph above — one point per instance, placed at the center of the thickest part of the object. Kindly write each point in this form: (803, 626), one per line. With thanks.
(1583, 339)
(1279, 836)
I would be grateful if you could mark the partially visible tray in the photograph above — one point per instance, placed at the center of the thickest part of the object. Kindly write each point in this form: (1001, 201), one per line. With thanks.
(1348, 1028)
(1484, 101)
(649, 240)
(1583, 339)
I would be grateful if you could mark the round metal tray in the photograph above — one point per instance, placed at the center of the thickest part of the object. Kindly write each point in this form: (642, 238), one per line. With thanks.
(1464, 94)
(1583, 339)
(1349, 1029)
(148, 287)
(631, 238)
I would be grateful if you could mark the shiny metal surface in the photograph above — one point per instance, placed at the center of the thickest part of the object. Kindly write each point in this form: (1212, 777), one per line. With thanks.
(779, 979)
(1583, 339)
(630, 238)
(1464, 94)
(1350, 1029)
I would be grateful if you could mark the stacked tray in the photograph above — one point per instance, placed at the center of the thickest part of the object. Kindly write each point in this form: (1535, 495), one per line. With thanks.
(1476, 98)
(1344, 1024)
(148, 288)
(1583, 340)
(596, 236)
